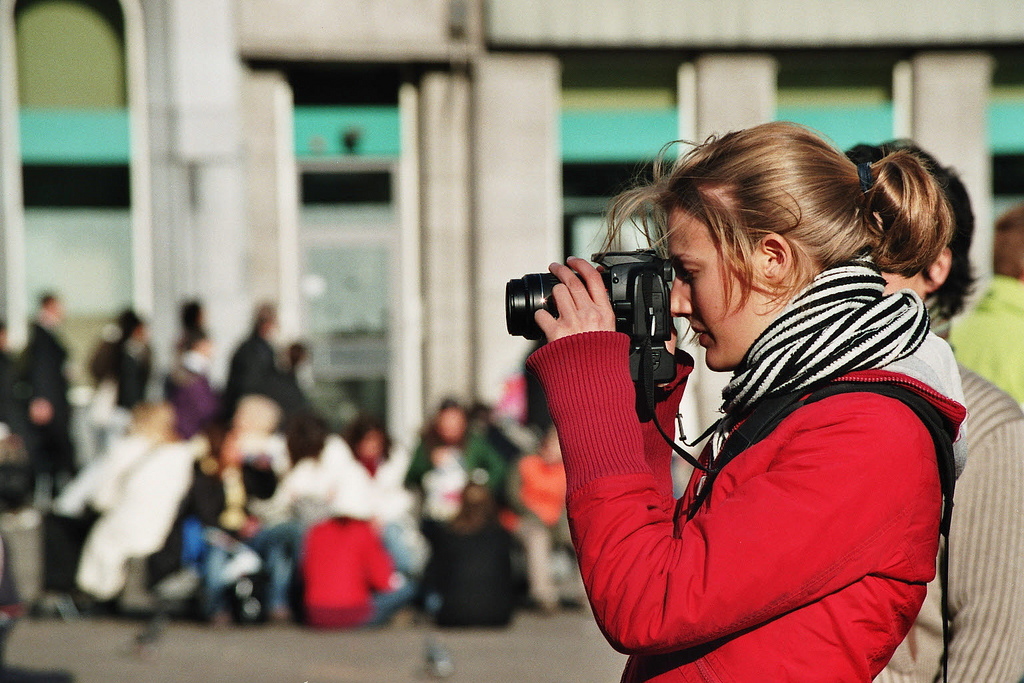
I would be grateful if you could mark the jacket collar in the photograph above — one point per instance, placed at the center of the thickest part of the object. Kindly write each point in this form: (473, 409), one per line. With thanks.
(953, 413)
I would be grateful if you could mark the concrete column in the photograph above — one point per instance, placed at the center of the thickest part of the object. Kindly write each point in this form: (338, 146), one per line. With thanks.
(199, 236)
(12, 212)
(272, 199)
(949, 108)
(733, 91)
(728, 92)
(172, 221)
(518, 198)
(446, 245)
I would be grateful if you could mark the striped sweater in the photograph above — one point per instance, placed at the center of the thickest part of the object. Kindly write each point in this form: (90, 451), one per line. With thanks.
(986, 562)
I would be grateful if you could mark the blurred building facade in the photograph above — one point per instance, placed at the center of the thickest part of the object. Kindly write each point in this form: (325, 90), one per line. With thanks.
(381, 168)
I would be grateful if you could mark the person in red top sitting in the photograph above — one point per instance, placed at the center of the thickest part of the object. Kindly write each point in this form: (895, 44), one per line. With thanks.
(805, 557)
(537, 491)
(348, 577)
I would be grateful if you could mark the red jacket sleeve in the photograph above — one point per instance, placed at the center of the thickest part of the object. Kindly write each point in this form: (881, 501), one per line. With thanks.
(625, 445)
(835, 502)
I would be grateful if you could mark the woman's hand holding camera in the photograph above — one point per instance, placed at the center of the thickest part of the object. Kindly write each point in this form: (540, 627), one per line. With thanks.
(581, 299)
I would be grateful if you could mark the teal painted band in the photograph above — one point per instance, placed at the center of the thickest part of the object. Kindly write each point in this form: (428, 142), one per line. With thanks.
(591, 136)
(62, 137)
(619, 135)
(845, 126)
(325, 131)
(1006, 127)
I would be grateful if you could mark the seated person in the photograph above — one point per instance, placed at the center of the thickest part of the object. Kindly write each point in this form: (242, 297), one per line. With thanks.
(448, 457)
(537, 492)
(348, 577)
(469, 577)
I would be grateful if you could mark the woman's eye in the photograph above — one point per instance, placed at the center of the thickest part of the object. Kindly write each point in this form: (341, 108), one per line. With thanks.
(684, 275)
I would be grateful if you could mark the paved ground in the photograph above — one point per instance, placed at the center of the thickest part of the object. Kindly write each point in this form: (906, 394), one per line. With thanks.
(564, 647)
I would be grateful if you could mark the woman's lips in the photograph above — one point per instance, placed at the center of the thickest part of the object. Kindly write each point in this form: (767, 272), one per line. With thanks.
(703, 338)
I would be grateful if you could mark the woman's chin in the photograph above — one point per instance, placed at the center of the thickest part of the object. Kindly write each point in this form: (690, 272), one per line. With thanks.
(716, 363)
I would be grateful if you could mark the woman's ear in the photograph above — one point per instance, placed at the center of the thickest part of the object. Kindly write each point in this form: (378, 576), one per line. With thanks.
(775, 259)
(935, 274)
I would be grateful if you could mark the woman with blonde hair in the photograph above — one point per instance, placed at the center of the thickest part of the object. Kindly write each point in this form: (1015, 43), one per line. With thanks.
(803, 555)
(146, 476)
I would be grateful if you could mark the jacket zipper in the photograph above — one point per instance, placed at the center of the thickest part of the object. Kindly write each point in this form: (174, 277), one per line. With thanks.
(916, 386)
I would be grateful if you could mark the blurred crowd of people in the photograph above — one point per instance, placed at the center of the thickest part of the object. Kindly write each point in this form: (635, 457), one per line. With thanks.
(243, 505)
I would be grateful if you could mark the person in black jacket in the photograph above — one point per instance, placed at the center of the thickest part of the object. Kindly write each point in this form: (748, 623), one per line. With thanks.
(120, 368)
(16, 478)
(125, 359)
(45, 387)
(469, 580)
(253, 368)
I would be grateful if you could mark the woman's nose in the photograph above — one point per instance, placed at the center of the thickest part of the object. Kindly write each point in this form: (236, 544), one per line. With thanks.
(680, 299)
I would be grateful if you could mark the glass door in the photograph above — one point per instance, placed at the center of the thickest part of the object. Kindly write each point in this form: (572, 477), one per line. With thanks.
(348, 238)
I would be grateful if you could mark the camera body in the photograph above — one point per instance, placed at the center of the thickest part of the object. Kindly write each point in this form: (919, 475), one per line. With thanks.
(639, 284)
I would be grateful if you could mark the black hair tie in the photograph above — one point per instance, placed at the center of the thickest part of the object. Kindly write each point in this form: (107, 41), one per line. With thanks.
(866, 179)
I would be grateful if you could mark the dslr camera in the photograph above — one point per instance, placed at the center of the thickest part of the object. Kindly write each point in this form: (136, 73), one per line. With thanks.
(638, 284)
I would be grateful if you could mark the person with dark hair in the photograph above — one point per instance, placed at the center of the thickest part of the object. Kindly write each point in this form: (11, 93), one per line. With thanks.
(290, 383)
(193, 318)
(123, 357)
(482, 420)
(988, 340)
(376, 464)
(950, 298)
(469, 577)
(804, 551)
(192, 331)
(134, 360)
(196, 403)
(253, 368)
(44, 384)
(986, 612)
(9, 413)
(120, 368)
(16, 477)
(309, 483)
(302, 499)
(449, 456)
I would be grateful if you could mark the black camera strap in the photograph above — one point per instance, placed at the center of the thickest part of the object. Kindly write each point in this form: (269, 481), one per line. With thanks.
(646, 385)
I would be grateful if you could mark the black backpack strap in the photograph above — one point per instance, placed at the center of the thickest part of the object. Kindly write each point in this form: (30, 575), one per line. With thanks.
(761, 421)
(931, 419)
(947, 474)
(767, 415)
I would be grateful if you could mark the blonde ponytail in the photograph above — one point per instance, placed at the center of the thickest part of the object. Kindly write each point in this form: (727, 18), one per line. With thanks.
(907, 213)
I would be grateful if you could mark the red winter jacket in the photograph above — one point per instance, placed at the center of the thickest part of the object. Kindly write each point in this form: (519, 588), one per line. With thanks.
(344, 563)
(810, 559)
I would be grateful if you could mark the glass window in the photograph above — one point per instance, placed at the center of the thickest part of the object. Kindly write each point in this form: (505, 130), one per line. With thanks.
(1006, 131)
(72, 91)
(347, 236)
(588, 188)
(846, 96)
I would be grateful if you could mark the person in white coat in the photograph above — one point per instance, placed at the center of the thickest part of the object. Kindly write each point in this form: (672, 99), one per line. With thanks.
(138, 492)
(378, 465)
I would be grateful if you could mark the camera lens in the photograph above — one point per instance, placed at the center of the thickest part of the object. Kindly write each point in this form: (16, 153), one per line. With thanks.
(524, 297)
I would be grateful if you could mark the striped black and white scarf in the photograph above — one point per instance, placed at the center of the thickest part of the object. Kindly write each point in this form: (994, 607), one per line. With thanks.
(839, 323)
